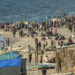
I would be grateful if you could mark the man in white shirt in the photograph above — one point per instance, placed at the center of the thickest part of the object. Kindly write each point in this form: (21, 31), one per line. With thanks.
(2, 45)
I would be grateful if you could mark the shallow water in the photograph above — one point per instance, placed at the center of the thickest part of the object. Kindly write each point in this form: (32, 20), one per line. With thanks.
(39, 10)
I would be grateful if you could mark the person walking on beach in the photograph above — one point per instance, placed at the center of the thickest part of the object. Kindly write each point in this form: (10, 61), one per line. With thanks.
(39, 45)
(41, 57)
(28, 34)
(47, 59)
(30, 58)
(14, 32)
(44, 38)
(59, 65)
(21, 33)
(61, 44)
(7, 41)
(2, 45)
(74, 28)
(52, 42)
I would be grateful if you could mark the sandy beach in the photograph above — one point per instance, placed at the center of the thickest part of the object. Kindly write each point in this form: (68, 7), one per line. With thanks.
(29, 40)
(25, 41)
(37, 37)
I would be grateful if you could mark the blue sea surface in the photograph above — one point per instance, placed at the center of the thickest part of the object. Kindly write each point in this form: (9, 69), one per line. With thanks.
(38, 10)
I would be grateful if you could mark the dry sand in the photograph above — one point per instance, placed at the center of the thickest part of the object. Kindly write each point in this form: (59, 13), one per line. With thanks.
(25, 41)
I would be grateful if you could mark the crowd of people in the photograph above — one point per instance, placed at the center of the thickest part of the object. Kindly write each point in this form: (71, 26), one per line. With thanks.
(47, 29)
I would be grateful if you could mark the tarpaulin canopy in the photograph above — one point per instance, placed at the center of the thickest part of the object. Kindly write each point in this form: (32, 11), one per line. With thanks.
(10, 63)
(10, 55)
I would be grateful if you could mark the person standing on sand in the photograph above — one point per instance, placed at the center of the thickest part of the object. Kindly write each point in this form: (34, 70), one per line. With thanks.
(44, 46)
(41, 57)
(7, 41)
(21, 33)
(74, 28)
(47, 59)
(30, 58)
(28, 34)
(2, 45)
(61, 43)
(52, 42)
(14, 31)
(39, 45)
(44, 38)
(59, 65)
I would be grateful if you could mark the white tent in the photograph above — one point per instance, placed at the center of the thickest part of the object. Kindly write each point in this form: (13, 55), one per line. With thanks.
(56, 20)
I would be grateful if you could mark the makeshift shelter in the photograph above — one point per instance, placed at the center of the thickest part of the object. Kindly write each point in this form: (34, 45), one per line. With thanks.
(10, 55)
(56, 20)
(13, 65)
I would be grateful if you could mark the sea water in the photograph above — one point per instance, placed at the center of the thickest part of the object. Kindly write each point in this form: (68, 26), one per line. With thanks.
(38, 10)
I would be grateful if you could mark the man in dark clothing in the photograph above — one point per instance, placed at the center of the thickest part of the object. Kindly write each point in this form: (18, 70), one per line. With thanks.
(41, 57)
(52, 42)
(61, 44)
(7, 41)
(44, 71)
(39, 45)
(30, 57)
(14, 32)
(59, 65)
(21, 33)
(70, 28)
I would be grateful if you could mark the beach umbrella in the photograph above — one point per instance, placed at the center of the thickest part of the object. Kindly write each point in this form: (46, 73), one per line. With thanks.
(26, 22)
(55, 20)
